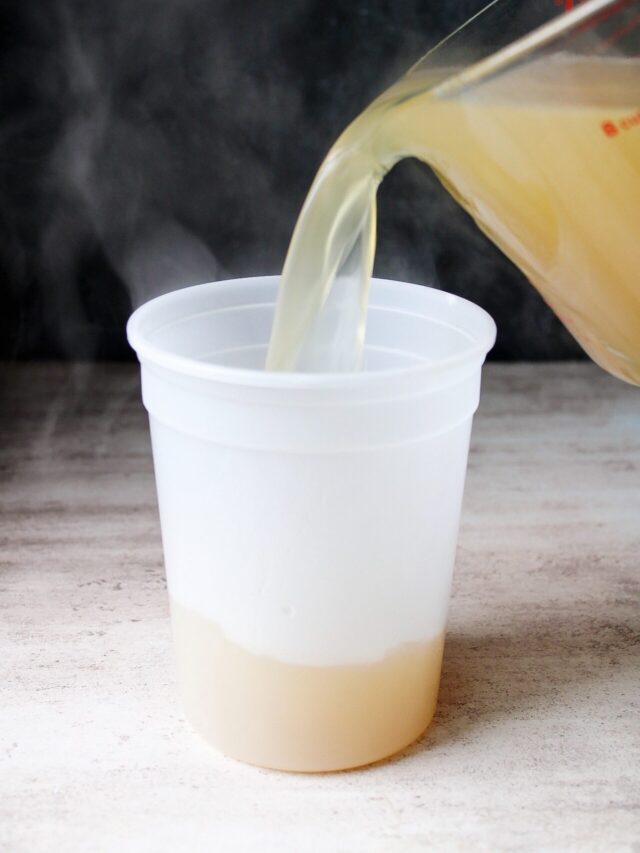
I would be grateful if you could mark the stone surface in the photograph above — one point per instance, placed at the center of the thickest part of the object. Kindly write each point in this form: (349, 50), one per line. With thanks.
(535, 745)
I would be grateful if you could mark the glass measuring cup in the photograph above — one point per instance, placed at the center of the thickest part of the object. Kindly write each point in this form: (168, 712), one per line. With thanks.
(539, 140)
(542, 147)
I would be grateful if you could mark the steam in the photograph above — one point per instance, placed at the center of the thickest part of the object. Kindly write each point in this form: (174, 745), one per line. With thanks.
(163, 143)
(175, 143)
(161, 155)
(115, 163)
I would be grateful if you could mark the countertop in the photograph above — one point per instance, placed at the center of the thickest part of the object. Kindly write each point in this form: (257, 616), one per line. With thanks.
(535, 745)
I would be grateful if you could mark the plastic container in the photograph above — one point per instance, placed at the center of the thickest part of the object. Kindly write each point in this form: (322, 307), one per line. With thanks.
(309, 521)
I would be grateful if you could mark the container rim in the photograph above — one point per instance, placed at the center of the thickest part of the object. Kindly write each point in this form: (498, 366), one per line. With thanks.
(151, 353)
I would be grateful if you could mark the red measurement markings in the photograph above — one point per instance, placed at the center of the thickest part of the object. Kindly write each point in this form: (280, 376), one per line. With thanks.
(568, 4)
(630, 121)
(611, 128)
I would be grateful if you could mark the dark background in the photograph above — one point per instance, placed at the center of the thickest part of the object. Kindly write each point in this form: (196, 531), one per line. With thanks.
(152, 144)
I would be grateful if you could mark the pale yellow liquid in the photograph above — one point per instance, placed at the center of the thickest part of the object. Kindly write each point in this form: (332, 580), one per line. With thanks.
(528, 156)
(304, 718)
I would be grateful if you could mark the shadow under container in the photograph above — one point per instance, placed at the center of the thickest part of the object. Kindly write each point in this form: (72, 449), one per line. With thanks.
(309, 521)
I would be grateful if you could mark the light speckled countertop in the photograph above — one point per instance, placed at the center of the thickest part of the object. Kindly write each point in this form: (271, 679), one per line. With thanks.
(536, 743)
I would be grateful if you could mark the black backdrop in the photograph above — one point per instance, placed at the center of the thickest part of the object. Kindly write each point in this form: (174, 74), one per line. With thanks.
(152, 144)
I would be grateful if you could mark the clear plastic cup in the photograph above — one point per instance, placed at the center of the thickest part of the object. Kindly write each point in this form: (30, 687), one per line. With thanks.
(309, 521)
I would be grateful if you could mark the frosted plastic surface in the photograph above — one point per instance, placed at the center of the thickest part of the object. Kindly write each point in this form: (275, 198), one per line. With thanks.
(312, 517)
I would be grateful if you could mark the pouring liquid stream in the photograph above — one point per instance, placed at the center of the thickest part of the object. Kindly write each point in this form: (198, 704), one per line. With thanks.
(546, 158)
